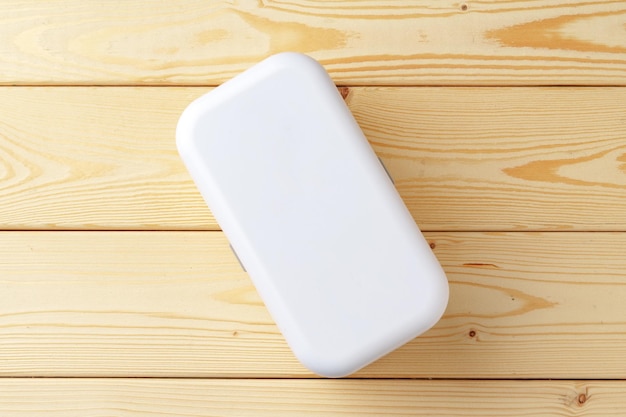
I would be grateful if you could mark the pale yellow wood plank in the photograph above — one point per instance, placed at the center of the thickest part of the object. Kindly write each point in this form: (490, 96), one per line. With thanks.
(95, 158)
(366, 42)
(187, 398)
(502, 158)
(522, 305)
(462, 158)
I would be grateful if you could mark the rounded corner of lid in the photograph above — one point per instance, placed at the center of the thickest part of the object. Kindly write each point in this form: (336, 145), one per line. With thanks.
(297, 60)
(328, 367)
(184, 135)
(438, 300)
(326, 361)
(188, 122)
(292, 57)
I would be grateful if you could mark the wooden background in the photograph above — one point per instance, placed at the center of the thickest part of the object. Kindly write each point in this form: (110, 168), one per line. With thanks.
(503, 124)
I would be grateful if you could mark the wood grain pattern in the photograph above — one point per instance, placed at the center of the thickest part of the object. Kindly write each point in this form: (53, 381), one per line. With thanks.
(520, 185)
(266, 397)
(361, 42)
(95, 158)
(484, 159)
(503, 158)
(177, 304)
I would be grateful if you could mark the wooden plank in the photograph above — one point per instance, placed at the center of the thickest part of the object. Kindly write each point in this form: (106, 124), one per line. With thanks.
(227, 397)
(502, 158)
(94, 158)
(463, 158)
(366, 42)
(177, 304)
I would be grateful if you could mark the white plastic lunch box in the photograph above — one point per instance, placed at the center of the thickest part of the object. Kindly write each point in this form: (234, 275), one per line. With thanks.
(312, 214)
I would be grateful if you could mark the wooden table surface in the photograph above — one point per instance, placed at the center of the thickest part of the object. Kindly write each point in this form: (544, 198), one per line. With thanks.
(503, 124)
